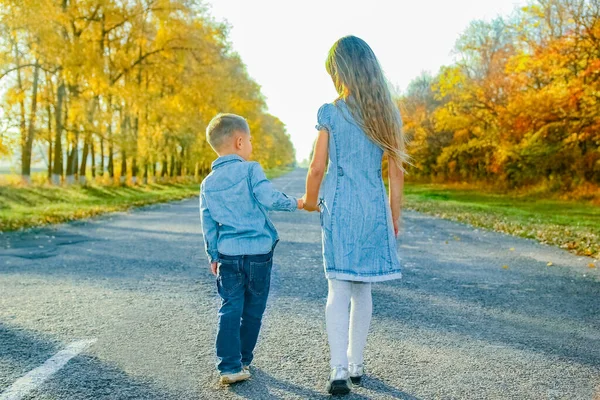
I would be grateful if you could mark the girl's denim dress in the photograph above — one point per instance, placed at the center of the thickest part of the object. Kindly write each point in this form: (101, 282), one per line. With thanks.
(356, 221)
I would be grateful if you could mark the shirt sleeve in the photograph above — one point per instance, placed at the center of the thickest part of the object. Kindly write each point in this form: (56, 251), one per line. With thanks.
(266, 194)
(210, 230)
(324, 118)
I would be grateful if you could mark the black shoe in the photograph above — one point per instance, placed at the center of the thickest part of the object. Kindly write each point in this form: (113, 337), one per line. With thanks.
(356, 372)
(356, 380)
(338, 382)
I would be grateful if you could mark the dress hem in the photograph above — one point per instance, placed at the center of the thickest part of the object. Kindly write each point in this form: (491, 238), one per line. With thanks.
(340, 276)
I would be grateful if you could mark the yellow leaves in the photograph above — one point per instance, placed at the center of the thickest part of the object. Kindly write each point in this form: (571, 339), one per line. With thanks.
(591, 265)
(505, 267)
(532, 95)
(549, 264)
(512, 249)
(519, 63)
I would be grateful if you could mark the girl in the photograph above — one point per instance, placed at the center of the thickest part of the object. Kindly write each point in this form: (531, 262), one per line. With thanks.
(359, 227)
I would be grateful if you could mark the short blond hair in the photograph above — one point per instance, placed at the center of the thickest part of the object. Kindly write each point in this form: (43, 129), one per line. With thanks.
(222, 127)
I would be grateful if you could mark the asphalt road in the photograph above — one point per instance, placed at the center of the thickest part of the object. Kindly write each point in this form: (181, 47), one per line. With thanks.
(478, 315)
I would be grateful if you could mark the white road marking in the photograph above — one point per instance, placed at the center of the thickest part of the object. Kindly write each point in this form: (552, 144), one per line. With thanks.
(36, 377)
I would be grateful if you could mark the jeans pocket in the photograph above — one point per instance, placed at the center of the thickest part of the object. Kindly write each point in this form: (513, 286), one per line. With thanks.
(260, 277)
(229, 278)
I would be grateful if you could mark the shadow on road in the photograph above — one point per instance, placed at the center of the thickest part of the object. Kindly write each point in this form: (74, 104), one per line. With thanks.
(83, 377)
(262, 385)
(542, 314)
(376, 385)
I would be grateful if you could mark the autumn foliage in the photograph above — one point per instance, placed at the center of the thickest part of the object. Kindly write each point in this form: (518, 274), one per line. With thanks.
(123, 89)
(520, 107)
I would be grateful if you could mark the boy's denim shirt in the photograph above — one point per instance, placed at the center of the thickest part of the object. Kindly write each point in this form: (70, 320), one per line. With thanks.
(234, 202)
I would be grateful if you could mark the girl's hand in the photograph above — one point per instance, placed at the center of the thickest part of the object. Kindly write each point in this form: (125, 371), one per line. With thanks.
(213, 268)
(396, 227)
(310, 207)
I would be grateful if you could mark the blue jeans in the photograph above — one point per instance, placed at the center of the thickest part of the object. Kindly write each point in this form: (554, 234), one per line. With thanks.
(243, 283)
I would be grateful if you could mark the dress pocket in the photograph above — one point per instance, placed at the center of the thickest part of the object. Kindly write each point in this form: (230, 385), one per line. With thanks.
(324, 215)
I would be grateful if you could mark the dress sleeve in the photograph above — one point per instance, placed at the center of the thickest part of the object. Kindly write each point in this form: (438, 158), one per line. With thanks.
(324, 118)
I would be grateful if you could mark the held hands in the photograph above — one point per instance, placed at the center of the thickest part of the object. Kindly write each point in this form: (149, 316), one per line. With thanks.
(310, 206)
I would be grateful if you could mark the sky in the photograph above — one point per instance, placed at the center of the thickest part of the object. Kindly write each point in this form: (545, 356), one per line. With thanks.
(284, 45)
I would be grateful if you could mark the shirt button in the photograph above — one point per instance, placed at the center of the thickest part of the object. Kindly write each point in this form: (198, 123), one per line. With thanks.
(340, 171)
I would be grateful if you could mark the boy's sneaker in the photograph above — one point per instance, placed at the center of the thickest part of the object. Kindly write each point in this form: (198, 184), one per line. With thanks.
(356, 372)
(338, 381)
(227, 379)
(246, 368)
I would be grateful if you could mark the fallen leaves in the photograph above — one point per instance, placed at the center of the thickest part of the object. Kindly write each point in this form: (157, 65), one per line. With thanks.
(549, 264)
(577, 239)
(505, 267)
(591, 265)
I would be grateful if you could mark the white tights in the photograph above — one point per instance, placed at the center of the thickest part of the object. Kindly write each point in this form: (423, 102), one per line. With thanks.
(347, 331)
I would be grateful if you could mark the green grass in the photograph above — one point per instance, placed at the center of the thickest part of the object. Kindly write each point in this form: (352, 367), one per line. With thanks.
(24, 207)
(572, 225)
(36, 205)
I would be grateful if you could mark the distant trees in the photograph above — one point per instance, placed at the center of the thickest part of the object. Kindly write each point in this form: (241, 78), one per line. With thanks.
(522, 104)
(123, 90)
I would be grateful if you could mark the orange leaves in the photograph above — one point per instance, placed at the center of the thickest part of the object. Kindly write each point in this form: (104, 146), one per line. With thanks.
(520, 106)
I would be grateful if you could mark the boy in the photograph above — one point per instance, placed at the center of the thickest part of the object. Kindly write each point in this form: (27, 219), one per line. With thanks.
(239, 239)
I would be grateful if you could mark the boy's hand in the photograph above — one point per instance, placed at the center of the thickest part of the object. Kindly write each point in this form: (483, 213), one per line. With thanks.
(300, 204)
(213, 268)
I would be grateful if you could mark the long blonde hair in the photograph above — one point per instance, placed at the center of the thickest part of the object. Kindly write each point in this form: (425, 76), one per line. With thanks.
(360, 82)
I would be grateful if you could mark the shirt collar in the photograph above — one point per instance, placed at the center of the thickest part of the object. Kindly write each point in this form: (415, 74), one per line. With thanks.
(219, 162)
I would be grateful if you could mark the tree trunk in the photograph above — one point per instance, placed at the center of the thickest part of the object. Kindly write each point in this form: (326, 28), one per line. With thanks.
(73, 160)
(111, 161)
(57, 171)
(28, 143)
(172, 169)
(123, 167)
(70, 173)
(49, 111)
(84, 157)
(180, 162)
(22, 122)
(134, 170)
(164, 168)
(93, 153)
(145, 172)
(101, 171)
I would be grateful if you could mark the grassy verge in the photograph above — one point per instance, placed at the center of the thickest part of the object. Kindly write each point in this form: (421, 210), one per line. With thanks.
(25, 207)
(572, 225)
